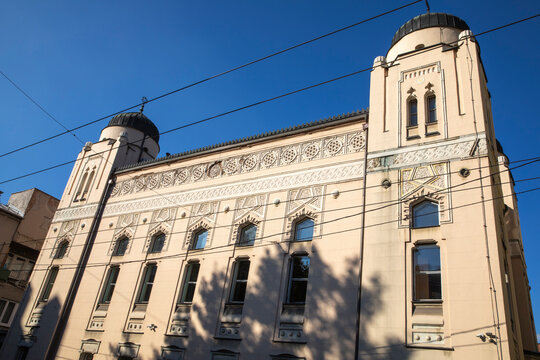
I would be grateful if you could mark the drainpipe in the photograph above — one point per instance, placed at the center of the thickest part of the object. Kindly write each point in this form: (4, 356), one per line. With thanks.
(79, 271)
(362, 233)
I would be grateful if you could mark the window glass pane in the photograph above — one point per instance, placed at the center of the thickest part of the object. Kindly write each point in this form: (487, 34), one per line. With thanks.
(121, 246)
(427, 269)
(298, 279)
(200, 240)
(110, 284)
(49, 284)
(298, 291)
(8, 312)
(239, 284)
(413, 113)
(425, 214)
(248, 234)
(2, 305)
(190, 282)
(432, 111)
(304, 230)
(157, 243)
(300, 267)
(148, 283)
(62, 249)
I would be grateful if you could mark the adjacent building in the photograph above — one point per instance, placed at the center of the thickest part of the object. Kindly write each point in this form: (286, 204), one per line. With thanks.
(24, 222)
(388, 233)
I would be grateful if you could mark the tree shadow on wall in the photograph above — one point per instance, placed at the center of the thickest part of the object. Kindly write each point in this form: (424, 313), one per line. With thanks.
(329, 320)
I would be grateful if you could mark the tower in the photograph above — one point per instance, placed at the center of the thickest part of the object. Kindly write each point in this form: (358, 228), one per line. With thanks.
(435, 167)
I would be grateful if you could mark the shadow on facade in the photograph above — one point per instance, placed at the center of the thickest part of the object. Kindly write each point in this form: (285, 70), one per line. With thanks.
(330, 315)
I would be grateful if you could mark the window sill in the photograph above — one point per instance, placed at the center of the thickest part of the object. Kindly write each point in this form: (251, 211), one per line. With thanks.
(429, 347)
(414, 137)
(428, 301)
(434, 133)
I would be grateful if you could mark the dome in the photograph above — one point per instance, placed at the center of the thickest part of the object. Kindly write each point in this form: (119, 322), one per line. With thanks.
(429, 20)
(137, 121)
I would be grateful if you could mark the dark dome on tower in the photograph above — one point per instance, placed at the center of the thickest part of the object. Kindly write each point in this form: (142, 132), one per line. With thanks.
(137, 121)
(429, 20)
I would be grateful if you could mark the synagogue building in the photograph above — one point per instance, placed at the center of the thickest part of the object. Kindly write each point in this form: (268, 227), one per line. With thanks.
(388, 233)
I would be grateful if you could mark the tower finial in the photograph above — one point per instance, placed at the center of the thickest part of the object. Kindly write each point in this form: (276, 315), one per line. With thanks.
(144, 101)
(427, 6)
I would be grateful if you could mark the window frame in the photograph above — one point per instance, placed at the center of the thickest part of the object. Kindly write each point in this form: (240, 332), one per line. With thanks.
(119, 242)
(297, 228)
(292, 279)
(187, 282)
(62, 249)
(411, 114)
(195, 238)
(8, 305)
(162, 238)
(49, 284)
(150, 271)
(414, 209)
(243, 230)
(415, 251)
(236, 280)
(429, 112)
(109, 285)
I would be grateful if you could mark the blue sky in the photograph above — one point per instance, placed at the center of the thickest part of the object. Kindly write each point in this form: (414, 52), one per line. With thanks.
(83, 60)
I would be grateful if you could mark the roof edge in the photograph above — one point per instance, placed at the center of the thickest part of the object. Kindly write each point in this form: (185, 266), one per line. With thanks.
(314, 125)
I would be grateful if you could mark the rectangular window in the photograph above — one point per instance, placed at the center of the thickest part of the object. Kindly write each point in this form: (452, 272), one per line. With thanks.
(427, 273)
(49, 284)
(147, 283)
(239, 283)
(6, 311)
(190, 281)
(432, 109)
(298, 280)
(110, 284)
(413, 112)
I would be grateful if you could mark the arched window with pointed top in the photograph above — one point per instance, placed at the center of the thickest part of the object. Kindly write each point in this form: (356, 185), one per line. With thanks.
(412, 112)
(81, 186)
(248, 234)
(158, 241)
(199, 239)
(61, 250)
(87, 186)
(121, 246)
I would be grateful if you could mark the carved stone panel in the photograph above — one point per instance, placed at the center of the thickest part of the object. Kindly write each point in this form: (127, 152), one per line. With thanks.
(429, 181)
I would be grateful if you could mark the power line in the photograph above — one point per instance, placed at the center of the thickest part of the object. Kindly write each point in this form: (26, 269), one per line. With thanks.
(273, 98)
(213, 76)
(218, 249)
(527, 161)
(388, 203)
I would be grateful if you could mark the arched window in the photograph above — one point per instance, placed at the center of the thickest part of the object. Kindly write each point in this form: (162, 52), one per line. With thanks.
(87, 186)
(248, 233)
(62, 249)
(431, 105)
(157, 243)
(298, 279)
(425, 214)
(81, 185)
(303, 230)
(412, 112)
(199, 240)
(121, 246)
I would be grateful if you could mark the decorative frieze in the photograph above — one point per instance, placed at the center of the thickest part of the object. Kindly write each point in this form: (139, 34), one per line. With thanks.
(280, 156)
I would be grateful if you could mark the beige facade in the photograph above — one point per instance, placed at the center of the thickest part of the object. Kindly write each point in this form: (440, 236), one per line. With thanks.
(388, 234)
(24, 222)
